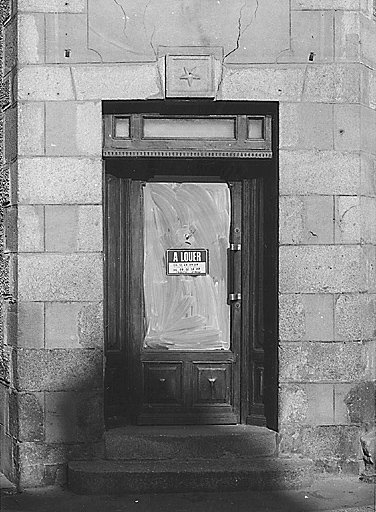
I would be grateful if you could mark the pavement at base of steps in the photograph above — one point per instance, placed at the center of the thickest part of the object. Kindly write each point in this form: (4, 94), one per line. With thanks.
(332, 494)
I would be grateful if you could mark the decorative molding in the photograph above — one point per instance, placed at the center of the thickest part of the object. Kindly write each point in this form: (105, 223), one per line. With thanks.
(185, 153)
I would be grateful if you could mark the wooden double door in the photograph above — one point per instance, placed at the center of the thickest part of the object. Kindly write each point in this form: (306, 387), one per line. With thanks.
(185, 264)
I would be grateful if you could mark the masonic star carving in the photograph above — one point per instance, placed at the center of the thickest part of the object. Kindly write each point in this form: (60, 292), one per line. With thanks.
(189, 75)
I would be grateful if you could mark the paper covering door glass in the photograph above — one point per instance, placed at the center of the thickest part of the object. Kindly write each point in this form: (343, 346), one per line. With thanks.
(185, 312)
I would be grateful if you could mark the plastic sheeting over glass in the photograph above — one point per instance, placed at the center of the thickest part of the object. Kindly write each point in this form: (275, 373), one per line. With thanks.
(185, 312)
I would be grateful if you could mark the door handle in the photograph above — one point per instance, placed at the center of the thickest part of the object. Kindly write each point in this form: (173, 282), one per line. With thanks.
(232, 295)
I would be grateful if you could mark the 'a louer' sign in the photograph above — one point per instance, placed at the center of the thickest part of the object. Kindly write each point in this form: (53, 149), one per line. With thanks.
(187, 261)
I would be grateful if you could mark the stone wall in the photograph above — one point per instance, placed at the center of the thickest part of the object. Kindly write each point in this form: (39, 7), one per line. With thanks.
(317, 61)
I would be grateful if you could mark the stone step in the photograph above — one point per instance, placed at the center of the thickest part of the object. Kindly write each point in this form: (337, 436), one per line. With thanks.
(189, 443)
(168, 476)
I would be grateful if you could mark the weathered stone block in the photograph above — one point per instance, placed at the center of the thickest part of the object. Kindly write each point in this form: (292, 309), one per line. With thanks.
(30, 228)
(319, 313)
(333, 448)
(30, 38)
(368, 128)
(116, 82)
(73, 129)
(61, 324)
(31, 129)
(291, 317)
(45, 83)
(55, 277)
(293, 404)
(319, 172)
(90, 228)
(326, 4)
(341, 410)
(61, 228)
(74, 325)
(320, 398)
(347, 220)
(59, 180)
(355, 317)
(90, 325)
(311, 31)
(31, 416)
(368, 175)
(318, 362)
(306, 126)
(52, 5)
(59, 370)
(333, 83)
(368, 220)
(347, 127)
(58, 453)
(368, 39)
(369, 257)
(306, 317)
(318, 226)
(73, 417)
(30, 325)
(317, 269)
(67, 39)
(361, 403)
(347, 36)
(269, 84)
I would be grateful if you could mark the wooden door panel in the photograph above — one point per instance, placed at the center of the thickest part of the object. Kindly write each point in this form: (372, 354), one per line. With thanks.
(212, 383)
(163, 383)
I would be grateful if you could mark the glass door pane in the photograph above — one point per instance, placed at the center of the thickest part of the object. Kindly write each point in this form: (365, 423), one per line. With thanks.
(186, 310)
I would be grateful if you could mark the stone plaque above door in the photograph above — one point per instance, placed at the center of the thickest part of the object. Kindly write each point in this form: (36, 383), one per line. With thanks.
(189, 76)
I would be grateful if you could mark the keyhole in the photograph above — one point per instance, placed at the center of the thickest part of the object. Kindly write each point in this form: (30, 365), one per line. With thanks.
(212, 382)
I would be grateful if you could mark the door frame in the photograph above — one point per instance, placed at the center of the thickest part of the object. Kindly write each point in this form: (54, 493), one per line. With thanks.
(259, 392)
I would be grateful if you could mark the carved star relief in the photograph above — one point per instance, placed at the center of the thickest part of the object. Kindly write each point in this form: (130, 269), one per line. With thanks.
(189, 75)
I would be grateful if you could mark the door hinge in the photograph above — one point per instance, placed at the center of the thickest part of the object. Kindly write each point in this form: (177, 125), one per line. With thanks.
(235, 247)
(234, 296)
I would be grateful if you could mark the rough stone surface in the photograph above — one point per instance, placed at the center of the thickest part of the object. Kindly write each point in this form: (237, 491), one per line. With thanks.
(114, 477)
(59, 370)
(71, 228)
(306, 126)
(318, 362)
(306, 220)
(52, 5)
(74, 325)
(355, 317)
(30, 325)
(74, 417)
(31, 129)
(55, 277)
(31, 416)
(318, 269)
(73, 128)
(265, 84)
(188, 443)
(31, 38)
(42, 83)
(319, 172)
(59, 180)
(347, 220)
(333, 448)
(333, 83)
(368, 220)
(30, 228)
(116, 82)
(44, 464)
(347, 127)
(306, 317)
(361, 403)
(291, 317)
